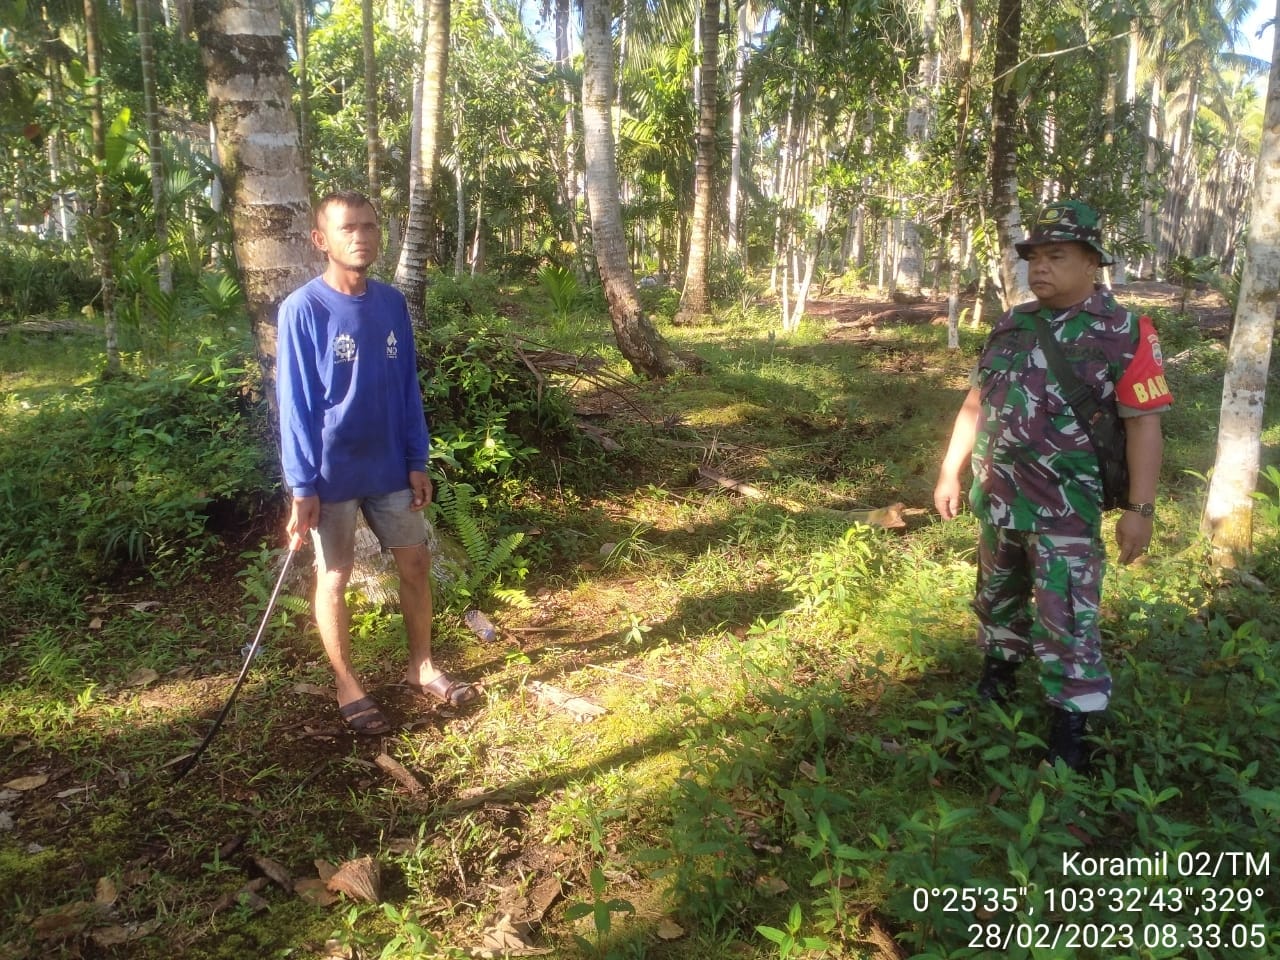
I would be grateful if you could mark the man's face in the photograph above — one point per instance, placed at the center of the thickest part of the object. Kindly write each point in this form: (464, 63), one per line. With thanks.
(348, 236)
(1061, 274)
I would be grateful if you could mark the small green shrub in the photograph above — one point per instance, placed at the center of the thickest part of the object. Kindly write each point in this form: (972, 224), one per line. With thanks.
(488, 412)
(452, 300)
(38, 276)
(128, 471)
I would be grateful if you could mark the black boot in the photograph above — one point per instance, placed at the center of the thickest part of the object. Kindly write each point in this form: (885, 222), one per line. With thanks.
(996, 685)
(998, 681)
(1066, 739)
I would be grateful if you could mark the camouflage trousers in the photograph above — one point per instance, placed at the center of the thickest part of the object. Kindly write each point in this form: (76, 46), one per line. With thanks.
(1038, 594)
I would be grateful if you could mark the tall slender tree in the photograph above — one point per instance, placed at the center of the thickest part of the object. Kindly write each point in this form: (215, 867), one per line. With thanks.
(155, 157)
(695, 299)
(641, 344)
(1228, 513)
(372, 147)
(1004, 152)
(250, 99)
(101, 230)
(732, 225)
(411, 270)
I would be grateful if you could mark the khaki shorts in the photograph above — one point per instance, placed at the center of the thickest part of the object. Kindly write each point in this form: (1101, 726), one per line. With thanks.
(388, 516)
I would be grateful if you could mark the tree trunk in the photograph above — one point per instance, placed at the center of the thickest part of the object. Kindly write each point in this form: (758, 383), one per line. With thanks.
(1228, 513)
(1004, 159)
(300, 30)
(460, 214)
(910, 275)
(147, 61)
(101, 231)
(250, 99)
(477, 242)
(1149, 172)
(185, 23)
(646, 351)
(695, 300)
(968, 11)
(372, 148)
(735, 129)
(569, 179)
(411, 270)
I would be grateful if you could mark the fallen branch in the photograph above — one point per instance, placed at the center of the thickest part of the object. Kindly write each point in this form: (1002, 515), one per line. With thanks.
(398, 772)
(892, 517)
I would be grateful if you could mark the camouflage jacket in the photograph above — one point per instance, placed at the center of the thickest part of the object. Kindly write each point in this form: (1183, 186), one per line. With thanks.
(1034, 467)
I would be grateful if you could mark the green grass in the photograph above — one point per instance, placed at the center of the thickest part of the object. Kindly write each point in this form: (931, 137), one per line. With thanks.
(777, 767)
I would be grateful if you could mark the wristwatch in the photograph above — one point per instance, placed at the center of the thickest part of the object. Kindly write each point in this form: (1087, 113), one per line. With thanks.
(1142, 509)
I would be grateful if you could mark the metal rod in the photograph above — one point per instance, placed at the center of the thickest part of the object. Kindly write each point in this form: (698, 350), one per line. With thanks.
(244, 671)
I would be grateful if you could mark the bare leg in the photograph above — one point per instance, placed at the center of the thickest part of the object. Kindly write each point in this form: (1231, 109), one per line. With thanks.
(334, 620)
(414, 564)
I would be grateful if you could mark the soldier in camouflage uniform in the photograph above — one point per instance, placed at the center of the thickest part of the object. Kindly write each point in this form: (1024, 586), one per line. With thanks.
(1037, 487)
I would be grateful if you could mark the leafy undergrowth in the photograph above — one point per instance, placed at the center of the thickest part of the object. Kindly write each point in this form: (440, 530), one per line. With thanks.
(778, 770)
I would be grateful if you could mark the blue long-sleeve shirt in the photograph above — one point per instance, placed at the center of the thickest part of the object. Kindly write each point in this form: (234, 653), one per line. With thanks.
(351, 417)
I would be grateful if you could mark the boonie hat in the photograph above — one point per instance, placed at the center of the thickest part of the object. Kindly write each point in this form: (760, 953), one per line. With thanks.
(1067, 221)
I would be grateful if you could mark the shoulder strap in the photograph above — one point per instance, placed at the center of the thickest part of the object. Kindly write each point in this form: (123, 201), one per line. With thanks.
(1083, 401)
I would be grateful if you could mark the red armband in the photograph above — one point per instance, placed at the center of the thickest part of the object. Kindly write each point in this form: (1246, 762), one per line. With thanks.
(1143, 386)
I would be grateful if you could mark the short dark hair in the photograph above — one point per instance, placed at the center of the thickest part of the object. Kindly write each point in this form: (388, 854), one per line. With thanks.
(342, 198)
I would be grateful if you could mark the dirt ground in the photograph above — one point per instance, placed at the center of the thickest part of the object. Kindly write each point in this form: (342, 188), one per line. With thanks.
(858, 314)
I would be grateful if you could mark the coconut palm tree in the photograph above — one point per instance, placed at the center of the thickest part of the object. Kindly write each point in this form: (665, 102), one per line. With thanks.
(695, 301)
(646, 351)
(250, 99)
(1228, 512)
(411, 270)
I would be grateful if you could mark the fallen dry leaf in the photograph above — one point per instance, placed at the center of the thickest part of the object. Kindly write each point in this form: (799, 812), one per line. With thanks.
(668, 929)
(69, 920)
(541, 897)
(142, 677)
(63, 794)
(114, 936)
(106, 937)
(106, 892)
(503, 935)
(312, 690)
(142, 606)
(6, 821)
(359, 879)
(313, 890)
(506, 939)
(809, 770)
(325, 869)
(23, 784)
(95, 623)
(274, 871)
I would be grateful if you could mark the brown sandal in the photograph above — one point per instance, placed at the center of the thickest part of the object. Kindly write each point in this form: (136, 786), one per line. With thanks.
(454, 693)
(365, 718)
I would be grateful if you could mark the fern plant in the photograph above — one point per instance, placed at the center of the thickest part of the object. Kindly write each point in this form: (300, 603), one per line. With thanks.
(488, 562)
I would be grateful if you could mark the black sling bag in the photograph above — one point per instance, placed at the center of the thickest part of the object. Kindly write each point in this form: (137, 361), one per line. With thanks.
(1102, 425)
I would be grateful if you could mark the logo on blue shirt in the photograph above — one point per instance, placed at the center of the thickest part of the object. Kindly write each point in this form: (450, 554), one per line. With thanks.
(391, 346)
(344, 348)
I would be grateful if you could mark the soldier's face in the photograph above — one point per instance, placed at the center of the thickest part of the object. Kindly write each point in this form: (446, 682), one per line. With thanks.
(348, 236)
(1061, 274)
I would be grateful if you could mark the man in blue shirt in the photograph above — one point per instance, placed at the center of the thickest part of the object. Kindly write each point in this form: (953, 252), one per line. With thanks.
(353, 436)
